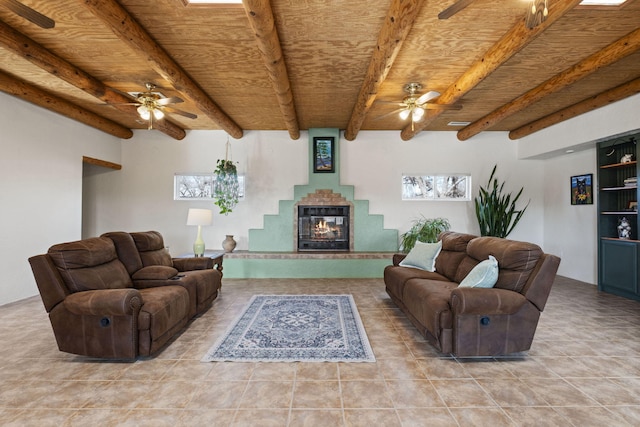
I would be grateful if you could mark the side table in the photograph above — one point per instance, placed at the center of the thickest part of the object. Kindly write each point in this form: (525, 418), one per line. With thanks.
(215, 255)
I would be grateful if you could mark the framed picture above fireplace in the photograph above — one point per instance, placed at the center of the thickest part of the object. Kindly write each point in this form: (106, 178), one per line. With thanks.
(453, 186)
(323, 154)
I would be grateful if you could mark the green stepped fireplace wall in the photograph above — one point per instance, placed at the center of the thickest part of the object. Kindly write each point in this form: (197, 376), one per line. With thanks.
(369, 234)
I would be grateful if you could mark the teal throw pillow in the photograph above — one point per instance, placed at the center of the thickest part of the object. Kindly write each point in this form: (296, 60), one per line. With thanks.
(483, 275)
(422, 256)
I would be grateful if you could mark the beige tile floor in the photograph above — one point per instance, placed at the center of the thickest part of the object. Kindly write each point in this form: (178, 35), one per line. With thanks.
(583, 370)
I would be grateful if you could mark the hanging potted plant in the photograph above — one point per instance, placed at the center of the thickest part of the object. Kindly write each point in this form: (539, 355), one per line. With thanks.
(496, 212)
(225, 186)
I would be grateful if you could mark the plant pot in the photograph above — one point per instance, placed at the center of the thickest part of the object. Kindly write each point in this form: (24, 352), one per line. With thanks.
(228, 244)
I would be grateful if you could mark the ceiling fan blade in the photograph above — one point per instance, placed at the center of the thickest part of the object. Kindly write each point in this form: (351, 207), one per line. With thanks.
(180, 112)
(432, 94)
(454, 8)
(170, 100)
(396, 111)
(29, 14)
(400, 104)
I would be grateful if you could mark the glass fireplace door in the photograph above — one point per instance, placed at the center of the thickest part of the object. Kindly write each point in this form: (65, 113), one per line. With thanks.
(323, 228)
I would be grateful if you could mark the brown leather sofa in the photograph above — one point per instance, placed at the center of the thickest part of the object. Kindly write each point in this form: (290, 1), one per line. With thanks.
(468, 321)
(111, 304)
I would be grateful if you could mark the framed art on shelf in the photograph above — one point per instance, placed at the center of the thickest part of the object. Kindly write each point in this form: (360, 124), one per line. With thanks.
(582, 189)
(323, 154)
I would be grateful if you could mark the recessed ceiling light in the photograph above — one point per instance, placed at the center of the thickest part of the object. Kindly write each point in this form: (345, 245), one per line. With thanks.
(211, 2)
(569, 151)
(601, 2)
(458, 123)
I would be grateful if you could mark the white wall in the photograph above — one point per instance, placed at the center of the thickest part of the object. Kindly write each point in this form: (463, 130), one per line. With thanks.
(40, 186)
(141, 196)
(41, 171)
(571, 231)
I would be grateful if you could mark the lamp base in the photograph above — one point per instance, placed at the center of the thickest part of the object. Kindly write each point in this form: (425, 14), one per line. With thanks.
(198, 246)
(198, 249)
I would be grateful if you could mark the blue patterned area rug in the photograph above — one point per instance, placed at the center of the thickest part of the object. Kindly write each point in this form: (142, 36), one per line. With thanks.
(295, 328)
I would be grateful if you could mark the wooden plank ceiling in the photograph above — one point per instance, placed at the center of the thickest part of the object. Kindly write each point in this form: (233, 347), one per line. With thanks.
(294, 65)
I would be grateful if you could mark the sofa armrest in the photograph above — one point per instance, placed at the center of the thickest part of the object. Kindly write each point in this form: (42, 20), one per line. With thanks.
(397, 258)
(190, 264)
(115, 302)
(485, 301)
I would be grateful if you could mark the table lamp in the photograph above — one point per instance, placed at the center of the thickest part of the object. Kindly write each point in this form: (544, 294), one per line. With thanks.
(199, 217)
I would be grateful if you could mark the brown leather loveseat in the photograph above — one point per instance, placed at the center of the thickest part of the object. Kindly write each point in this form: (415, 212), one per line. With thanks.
(469, 321)
(104, 301)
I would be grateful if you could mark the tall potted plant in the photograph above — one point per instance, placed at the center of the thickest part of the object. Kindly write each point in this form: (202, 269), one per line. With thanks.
(425, 230)
(496, 212)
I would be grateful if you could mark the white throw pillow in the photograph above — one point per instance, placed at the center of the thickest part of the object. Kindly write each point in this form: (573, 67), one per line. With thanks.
(422, 256)
(483, 275)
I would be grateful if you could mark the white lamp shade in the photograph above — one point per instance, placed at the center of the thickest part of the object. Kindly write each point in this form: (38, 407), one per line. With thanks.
(200, 217)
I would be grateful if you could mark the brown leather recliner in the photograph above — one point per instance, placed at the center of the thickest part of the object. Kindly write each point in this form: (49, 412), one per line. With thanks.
(96, 310)
(146, 259)
(475, 321)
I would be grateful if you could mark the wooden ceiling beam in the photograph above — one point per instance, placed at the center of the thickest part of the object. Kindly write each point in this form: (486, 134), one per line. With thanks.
(616, 51)
(37, 96)
(509, 44)
(398, 22)
(602, 99)
(101, 163)
(454, 8)
(137, 38)
(35, 53)
(263, 25)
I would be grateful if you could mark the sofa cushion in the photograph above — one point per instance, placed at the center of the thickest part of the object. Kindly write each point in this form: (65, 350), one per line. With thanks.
(150, 244)
(207, 282)
(163, 307)
(428, 301)
(483, 275)
(155, 272)
(90, 264)
(454, 247)
(126, 249)
(422, 256)
(515, 259)
(396, 276)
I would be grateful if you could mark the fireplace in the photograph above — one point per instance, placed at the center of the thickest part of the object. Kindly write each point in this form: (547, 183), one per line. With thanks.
(323, 228)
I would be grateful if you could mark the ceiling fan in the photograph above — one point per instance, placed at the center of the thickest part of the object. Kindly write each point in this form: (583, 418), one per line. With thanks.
(29, 14)
(414, 105)
(153, 105)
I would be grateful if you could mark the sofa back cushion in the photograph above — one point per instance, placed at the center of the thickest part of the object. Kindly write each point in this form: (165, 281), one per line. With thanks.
(454, 247)
(90, 264)
(516, 260)
(126, 250)
(150, 245)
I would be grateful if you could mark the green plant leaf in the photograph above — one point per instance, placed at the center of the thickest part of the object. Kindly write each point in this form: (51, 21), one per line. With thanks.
(496, 212)
(425, 230)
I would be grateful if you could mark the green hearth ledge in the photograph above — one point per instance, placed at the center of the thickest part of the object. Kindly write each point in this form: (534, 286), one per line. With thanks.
(277, 232)
(236, 268)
